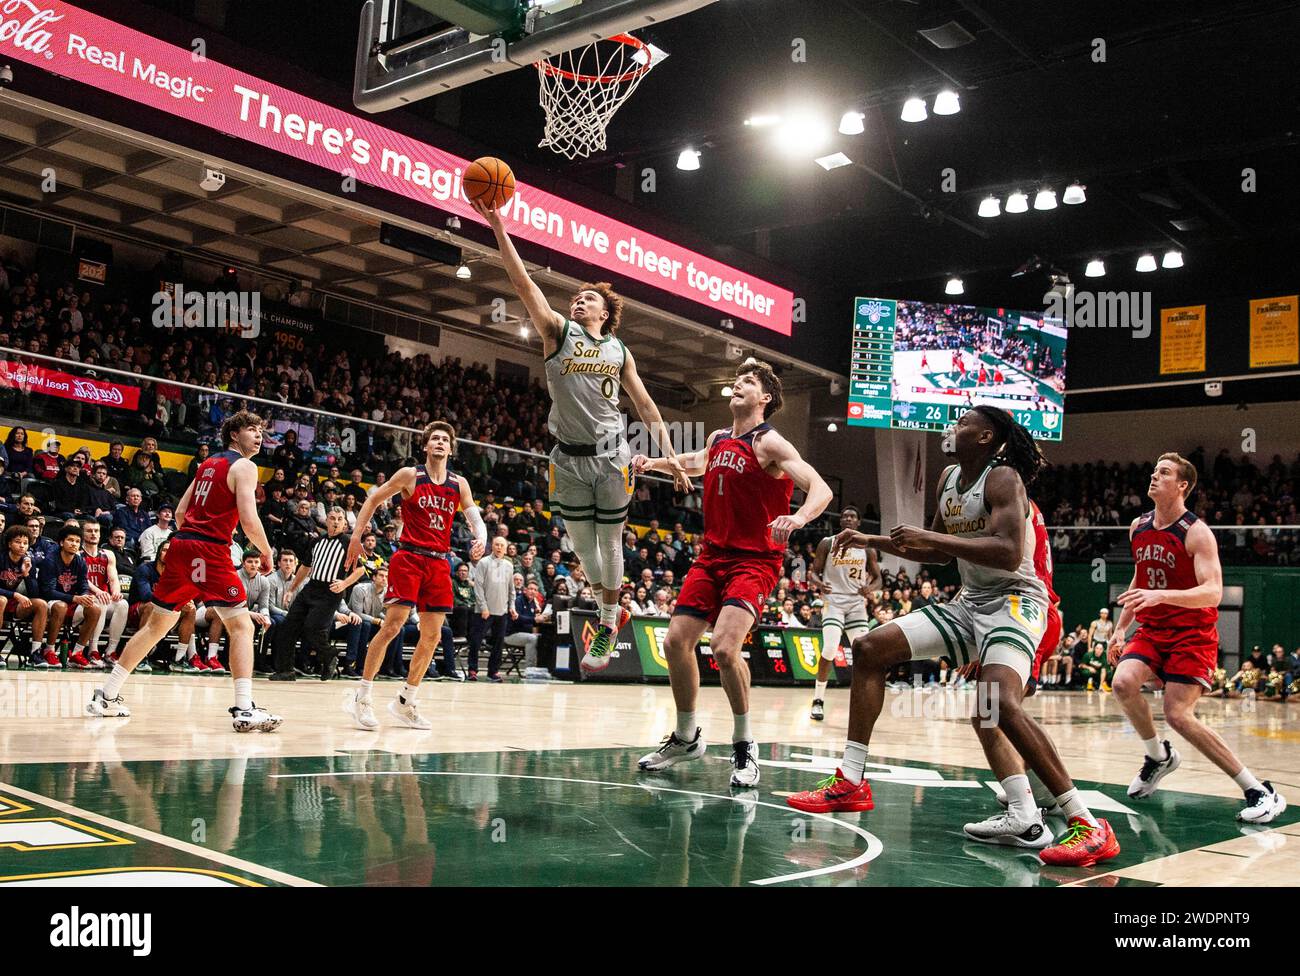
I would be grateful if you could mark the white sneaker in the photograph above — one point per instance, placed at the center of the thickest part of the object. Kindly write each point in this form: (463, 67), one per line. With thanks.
(744, 760)
(1004, 828)
(1048, 808)
(362, 712)
(1152, 772)
(1262, 806)
(254, 719)
(672, 751)
(101, 707)
(408, 714)
(818, 710)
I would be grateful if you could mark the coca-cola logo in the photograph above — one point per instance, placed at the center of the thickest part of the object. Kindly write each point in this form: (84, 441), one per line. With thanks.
(22, 22)
(85, 390)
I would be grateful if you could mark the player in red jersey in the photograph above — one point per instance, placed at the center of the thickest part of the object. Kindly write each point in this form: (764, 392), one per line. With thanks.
(983, 376)
(998, 378)
(420, 574)
(959, 364)
(750, 472)
(1177, 584)
(925, 363)
(199, 568)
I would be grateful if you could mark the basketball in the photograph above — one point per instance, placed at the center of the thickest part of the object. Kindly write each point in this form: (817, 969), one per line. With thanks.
(489, 181)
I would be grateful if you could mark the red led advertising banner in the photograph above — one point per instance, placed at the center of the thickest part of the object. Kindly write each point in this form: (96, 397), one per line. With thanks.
(84, 47)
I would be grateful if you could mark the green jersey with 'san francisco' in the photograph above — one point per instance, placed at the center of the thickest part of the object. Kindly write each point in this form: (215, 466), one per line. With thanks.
(966, 515)
(584, 376)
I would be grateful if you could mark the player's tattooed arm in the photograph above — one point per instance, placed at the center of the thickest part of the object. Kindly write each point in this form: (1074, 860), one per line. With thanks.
(650, 416)
(547, 321)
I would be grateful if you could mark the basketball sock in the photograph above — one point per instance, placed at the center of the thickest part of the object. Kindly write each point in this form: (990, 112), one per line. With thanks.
(819, 690)
(213, 647)
(113, 683)
(686, 726)
(192, 649)
(855, 761)
(1020, 797)
(1247, 781)
(1072, 807)
(1155, 749)
(408, 693)
(609, 543)
(740, 728)
(244, 693)
(364, 688)
(608, 614)
(180, 651)
(78, 648)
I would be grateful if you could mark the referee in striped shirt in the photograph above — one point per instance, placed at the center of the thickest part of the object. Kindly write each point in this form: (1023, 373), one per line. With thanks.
(314, 594)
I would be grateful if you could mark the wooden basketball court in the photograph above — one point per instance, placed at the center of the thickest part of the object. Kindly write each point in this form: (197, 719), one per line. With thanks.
(524, 784)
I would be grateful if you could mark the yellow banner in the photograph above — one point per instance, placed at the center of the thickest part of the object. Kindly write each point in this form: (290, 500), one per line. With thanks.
(1274, 334)
(1182, 339)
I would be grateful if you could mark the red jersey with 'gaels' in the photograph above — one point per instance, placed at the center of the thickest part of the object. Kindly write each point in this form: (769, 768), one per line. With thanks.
(740, 498)
(212, 513)
(97, 569)
(1043, 554)
(1163, 563)
(427, 513)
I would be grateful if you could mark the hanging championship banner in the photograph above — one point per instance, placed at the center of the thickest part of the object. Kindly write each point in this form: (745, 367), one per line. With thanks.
(1182, 339)
(1274, 335)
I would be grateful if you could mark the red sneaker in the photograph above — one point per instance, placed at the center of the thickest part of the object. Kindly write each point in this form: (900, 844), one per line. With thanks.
(79, 660)
(97, 660)
(215, 666)
(834, 794)
(624, 615)
(52, 658)
(198, 664)
(1083, 845)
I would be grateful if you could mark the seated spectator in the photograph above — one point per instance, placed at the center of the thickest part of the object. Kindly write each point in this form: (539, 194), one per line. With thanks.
(115, 461)
(200, 455)
(132, 516)
(65, 587)
(69, 494)
(20, 454)
(47, 463)
(20, 595)
(143, 475)
(153, 536)
(125, 558)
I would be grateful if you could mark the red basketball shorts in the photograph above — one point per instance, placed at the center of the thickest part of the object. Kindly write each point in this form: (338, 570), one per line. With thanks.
(720, 578)
(423, 582)
(1051, 638)
(1183, 655)
(200, 570)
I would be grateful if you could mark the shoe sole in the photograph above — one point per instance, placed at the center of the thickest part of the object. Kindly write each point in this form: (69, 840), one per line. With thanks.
(670, 763)
(817, 718)
(93, 712)
(1012, 840)
(1175, 760)
(744, 786)
(857, 807)
(591, 668)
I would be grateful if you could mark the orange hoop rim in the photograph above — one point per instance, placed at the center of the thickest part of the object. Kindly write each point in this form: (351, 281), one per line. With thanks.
(555, 70)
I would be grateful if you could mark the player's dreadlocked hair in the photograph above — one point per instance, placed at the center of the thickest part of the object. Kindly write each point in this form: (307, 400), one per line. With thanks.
(1017, 447)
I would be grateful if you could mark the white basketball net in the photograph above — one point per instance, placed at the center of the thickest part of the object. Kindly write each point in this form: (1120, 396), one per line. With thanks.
(582, 89)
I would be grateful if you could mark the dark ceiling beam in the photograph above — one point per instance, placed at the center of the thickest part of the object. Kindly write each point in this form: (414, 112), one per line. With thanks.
(884, 31)
(1001, 33)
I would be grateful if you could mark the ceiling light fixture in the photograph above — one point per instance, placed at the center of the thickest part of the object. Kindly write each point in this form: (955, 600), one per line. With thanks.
(759, 121)
(1017, 202)
(954, 287)
(1146, 262)
(689, 159)
(726, 391)
(1172, 259)
(1096, 268)
(832, 427)
(1045, 199)
(803, 135)
(946, 103)
(851, 124)
(914, 110)
(834, 161)
(990, 206)
(1074, 193)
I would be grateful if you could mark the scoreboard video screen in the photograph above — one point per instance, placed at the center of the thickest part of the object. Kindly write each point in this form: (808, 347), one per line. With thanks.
(921, 365)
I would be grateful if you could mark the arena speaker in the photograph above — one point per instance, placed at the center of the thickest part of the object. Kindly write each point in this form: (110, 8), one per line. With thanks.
(421, 244)
(734, 353)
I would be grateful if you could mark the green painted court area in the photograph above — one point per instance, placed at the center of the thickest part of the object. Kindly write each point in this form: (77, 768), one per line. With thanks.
(578, 817)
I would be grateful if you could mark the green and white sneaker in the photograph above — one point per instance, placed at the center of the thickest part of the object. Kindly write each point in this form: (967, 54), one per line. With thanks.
(672, 751)
(600, 653)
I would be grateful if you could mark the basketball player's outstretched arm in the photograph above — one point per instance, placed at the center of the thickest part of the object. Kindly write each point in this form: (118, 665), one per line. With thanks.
(693, 464)
(1004, 495)
(243, 482)
(1208, 591)
(773, 450)
(649, 414)
(403, 479)
(546, 320)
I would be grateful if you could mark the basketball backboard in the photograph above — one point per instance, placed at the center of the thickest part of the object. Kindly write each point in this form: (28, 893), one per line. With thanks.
(412, 49)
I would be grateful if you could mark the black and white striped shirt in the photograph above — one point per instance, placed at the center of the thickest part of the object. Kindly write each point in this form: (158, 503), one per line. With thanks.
(326, 558)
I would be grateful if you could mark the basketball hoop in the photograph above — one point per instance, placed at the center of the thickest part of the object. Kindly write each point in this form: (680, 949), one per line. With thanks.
(581, 89)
